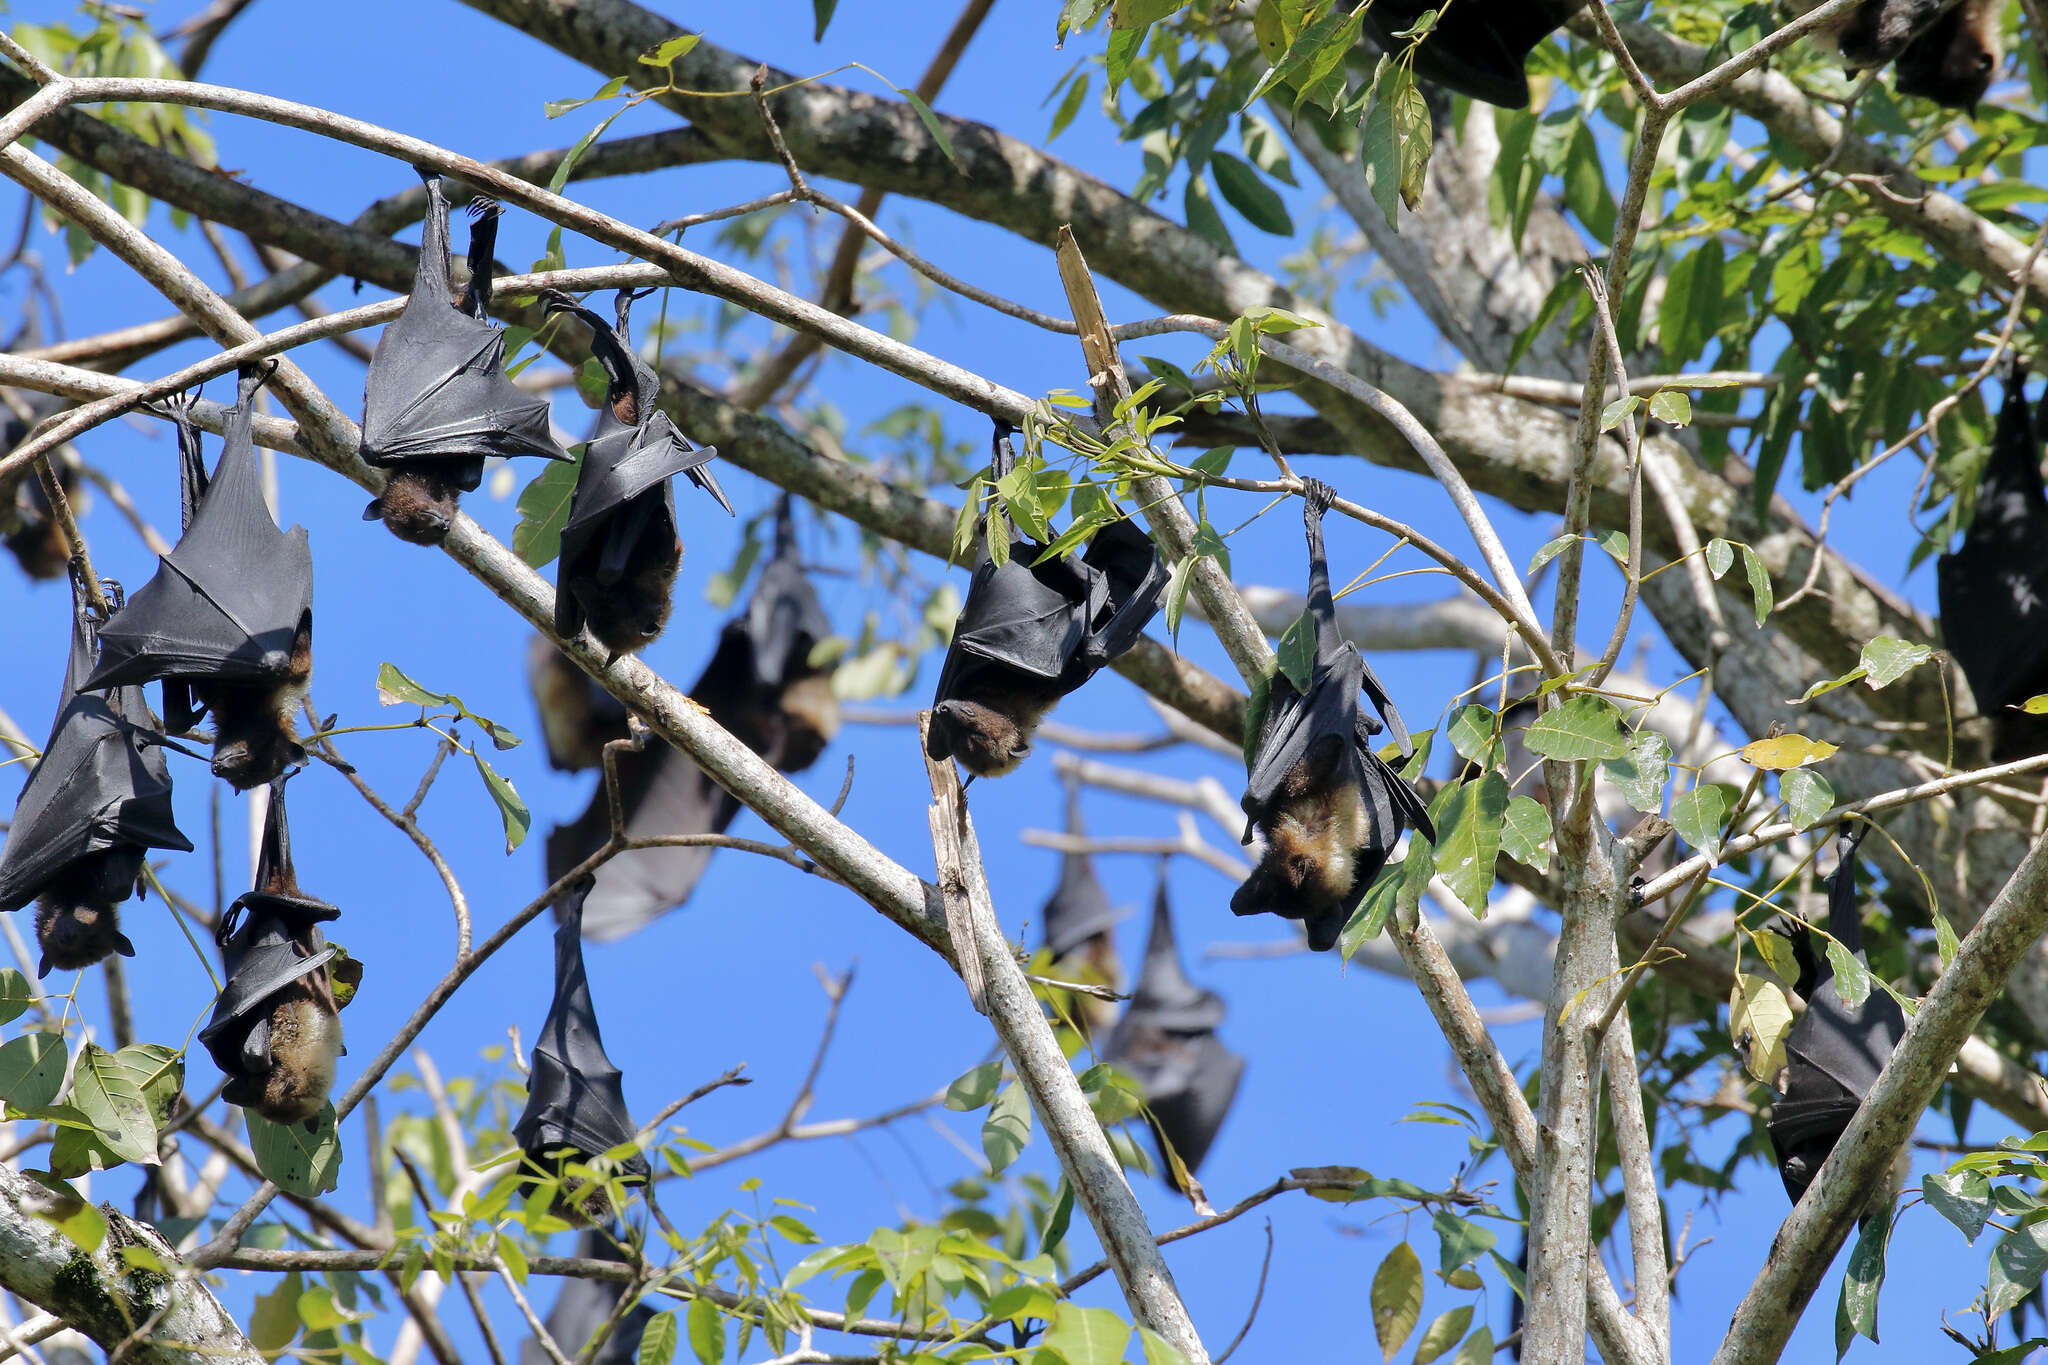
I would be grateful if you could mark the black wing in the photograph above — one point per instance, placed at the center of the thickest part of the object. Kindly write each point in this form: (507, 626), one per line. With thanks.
(1078, 908)
(1135, 578)
(575, 1096)
(101, 782)
(437, 388)
(1482, 53)
(583, 1306)
(784, 620)
(227, 600)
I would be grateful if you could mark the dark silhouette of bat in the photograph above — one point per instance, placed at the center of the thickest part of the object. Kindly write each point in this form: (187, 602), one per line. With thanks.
(1079, 923)
(1327, 807)
(1836, 1050)
(227, 622)
(761, 684)
(436, 402)
(276, 1031)
(1167, 1042)
(1480, 48)
(1032, 632)
(95, 803)
(577, 716)
(583, 1306)
(36, 542)
(1993, 589)
(620, 550)
(1940, 50)
(576, 1100)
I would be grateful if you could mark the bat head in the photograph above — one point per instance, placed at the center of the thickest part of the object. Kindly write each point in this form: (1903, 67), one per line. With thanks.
(988, 742)
(76, 934)
(417, 505)
(1953, 63)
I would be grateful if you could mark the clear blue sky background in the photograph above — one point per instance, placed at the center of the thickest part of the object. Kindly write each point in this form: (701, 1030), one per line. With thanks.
(1335, 1058)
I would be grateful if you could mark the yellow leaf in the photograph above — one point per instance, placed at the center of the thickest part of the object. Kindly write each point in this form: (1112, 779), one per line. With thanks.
(1760, 1016)
(2036, 706)
(1786, 751)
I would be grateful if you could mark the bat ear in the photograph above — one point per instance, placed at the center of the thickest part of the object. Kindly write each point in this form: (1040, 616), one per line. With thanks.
(122, 945)
(43, 970)
(375, 510)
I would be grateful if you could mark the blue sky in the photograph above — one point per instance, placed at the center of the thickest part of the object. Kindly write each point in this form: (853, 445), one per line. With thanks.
(1336, 1058)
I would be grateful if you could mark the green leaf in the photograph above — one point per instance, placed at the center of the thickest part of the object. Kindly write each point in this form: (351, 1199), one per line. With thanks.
(1673, 407)
(1244, 190)
(1962, 1197)
(1549, 550)
(1759, 1018)
(511, 809)
(1086, 1336)
(1460, 1240)
(1782, 752)
(1469, 838)
(582, 144)
(394, 688)
(1471, 730)
(109, 1097)
(1776, 951)
(1584, 727)
(1077, 91)
(1642, 772)
(1158, 1350)
(1808, 797)
(1396, 1298)
(1058, 1219)
(159, 1073)
(1619, 411)
(32, 1069)
(1759, 584)
(303, 1158)
(1297, 652)
(974, 1088)
(1008, 1127)
(1478, 1348)
(1720, 556)
(544, 511)
(1945, 943)
(1379, 149)
(1886, 659)
(707, 1331)
(1691, 309)
(1413, 126)
(57, 1204)
(1442, 1334)
(1865, 1277)
(1375, 906)
(1699, 815)
(2016, 1266)
(16, 994)
(931, 125)
(1525, 832)
(821, 11)
(675, 47)
(1852, 978)
(274, 1322)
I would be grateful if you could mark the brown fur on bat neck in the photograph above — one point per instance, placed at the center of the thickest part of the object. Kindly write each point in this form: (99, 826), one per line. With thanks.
(77, 923)
(630, 612)
(1312, 837)
(420, 500)
(990, 731)
(254, 736)
(38, 542)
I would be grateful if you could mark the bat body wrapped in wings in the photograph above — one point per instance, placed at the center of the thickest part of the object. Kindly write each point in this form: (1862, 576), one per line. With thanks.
(276, 1030)
(95, 803)
(576, 1100)
(1079, 923)
(1032, 632)
(1167, 1042)
(436, 403)
(620, 549)
(583, 1306)
(1329, 809)
(1940, 50)
(33, 535)
(1993, 589)
(227, 622)
(1479, 48)
(762, 684)
(1836, 1050)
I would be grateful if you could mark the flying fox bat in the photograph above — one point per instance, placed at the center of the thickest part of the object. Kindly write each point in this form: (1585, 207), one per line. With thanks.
(583, 1306)
(1031, 633)
(1079, 921)
(1167, 1041)
(436, 402)
(619, 548)
(1328, 808)
(1993, 590)
(37, 542)
(1836, 1050)
(95, 803)
(576, 1100)
(1479, 49)
(1944, 51)
(762, 685)
(577, 717)
(276, 1031)
(227, 622)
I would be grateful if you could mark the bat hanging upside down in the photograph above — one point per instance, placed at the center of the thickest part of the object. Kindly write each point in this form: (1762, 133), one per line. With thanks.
(1941, 50)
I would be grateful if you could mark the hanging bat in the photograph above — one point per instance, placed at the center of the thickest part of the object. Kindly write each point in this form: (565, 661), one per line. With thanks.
(576, 1101)
(583, 1306)
(619, 548)
(95, 803)
(1993, 590)
(1483, 48)
(1079, 921)
(1329, 810)
(1943, 51)
(1031, 633)
(1167, 1042)
(577, 717)
(1835, 1052)
(276, 1031)
(227, 622)
(36, 541)
(436, 402)
(763, 686)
